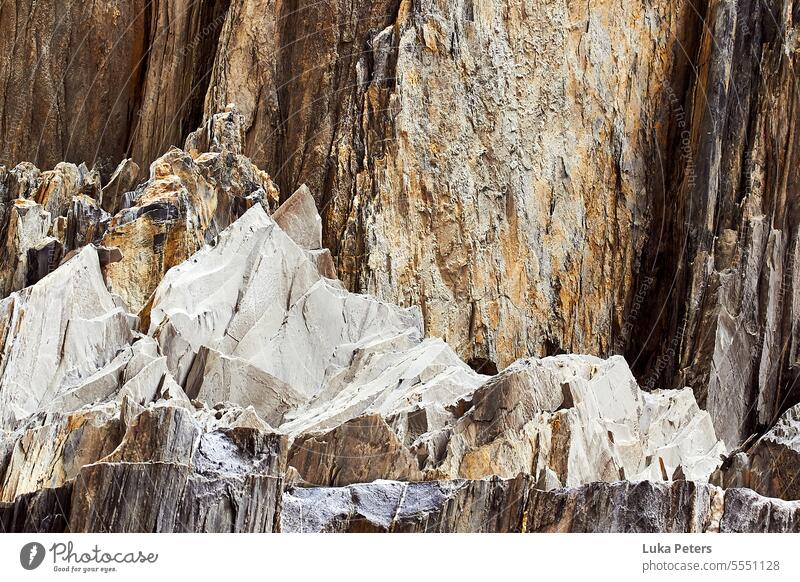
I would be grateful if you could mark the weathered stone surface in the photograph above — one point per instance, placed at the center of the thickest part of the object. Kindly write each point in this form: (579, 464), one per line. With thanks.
(181, 41)
(69, 75)
(186, 203)
(643, 507)
(514, 216)
(56, 447)
(726, 324)
(566, 420)
(771, 465)
(53, 213)
(298, 218)
(174, 476)
(218, 297)
(605, 178)
(577, 193)
(445, 506)
(26, 229)
(255, 295)
(409, 383)
(56, 334)
(46, 511)
(217, 378)
(123, 180)
(658, 507)
(746, 511)
(496, 505)
(359, 451)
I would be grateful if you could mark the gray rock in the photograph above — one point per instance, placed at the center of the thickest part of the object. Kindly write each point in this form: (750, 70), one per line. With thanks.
(771, 465)
(57, 334)
(497, 505)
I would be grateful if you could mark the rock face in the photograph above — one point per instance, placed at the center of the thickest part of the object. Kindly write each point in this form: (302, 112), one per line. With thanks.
(727, 324)
(564, 420)
(57, 335)
(571, 420)
(250, 367)
(771, 466)
(605, 179)
(179, 477)
(69, 80)
(176, 471)
(515, 506)
(329, 266)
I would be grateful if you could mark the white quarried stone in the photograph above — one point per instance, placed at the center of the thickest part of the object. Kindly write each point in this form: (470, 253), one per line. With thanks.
(217, 378)
(605, 427)
(56, 334)
(323, 319)
(256, 296)
(249, 278)
(394, 377)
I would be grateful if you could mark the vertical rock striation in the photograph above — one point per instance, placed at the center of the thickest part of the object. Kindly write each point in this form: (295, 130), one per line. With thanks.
(724, 318)
(510, 181)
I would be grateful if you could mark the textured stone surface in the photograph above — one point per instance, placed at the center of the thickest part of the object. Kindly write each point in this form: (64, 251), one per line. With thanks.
(726, 324)
(606, 178)
(168, 473)
(507, 179)
(57, 334)
(186, 203)
(572, 420)
(771, 465)
(298, 218)
(257, 296)
(497, 505)
(69, 80)
(566, 420)
(176, 477)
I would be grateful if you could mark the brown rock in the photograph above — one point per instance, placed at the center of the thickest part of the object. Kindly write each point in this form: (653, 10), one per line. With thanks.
(358, 451)
(69, 80)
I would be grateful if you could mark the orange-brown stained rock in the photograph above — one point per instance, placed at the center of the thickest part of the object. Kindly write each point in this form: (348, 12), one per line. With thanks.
(358, 451)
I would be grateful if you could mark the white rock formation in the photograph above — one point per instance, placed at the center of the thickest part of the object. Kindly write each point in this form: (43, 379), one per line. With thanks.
(57, 334)
(252, 331)
(256, 296)
(570, 420)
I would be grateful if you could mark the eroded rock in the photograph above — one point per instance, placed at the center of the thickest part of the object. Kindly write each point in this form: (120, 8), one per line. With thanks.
(497, 505)
(771, 465)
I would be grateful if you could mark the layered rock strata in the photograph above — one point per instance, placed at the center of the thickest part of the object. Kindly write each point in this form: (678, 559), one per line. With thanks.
(511, 506)
(251, 374)
(539, 178)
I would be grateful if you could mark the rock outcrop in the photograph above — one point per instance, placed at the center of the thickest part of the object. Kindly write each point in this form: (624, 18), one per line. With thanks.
(330, 266)
(771, 466)
(604, 179)
(564, 420)
(511, 506)
(56, 335)
(250, 368)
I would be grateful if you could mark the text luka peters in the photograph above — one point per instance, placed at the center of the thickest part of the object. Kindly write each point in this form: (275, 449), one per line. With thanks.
(674, 549)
